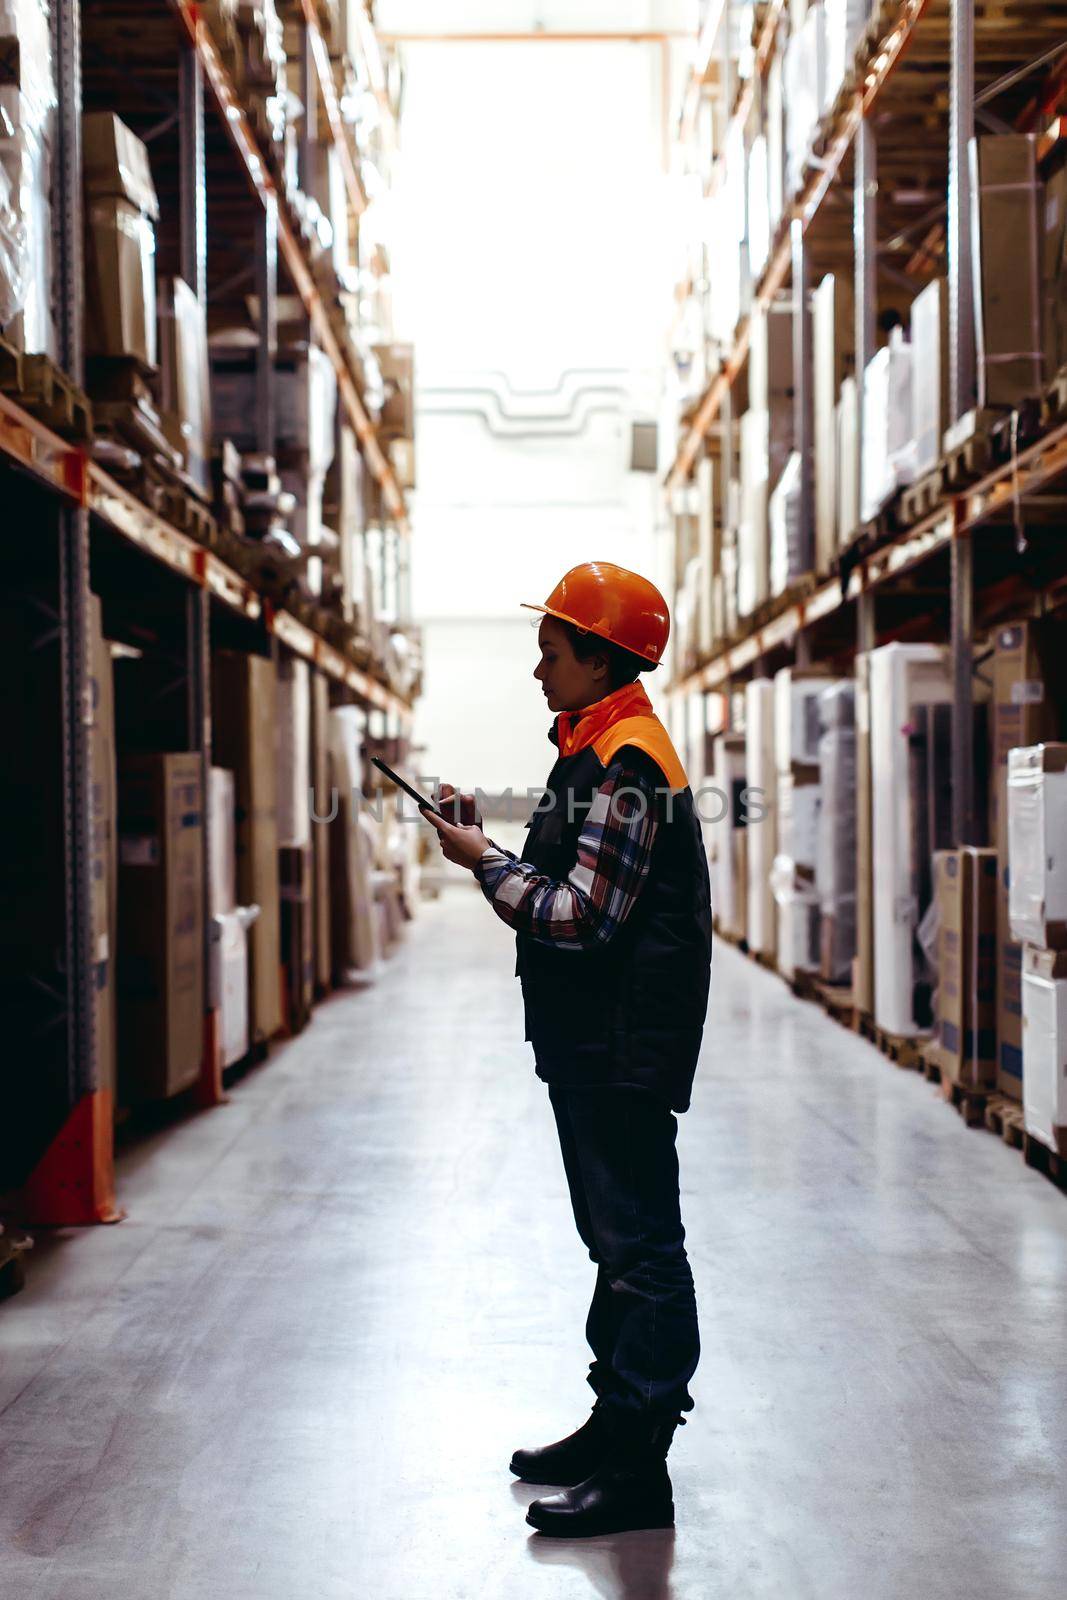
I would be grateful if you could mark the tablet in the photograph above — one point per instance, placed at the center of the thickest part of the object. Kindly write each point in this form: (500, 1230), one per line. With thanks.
(419, 799)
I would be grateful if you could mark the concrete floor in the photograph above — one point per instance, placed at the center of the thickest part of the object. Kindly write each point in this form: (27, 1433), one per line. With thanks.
(297, 1370)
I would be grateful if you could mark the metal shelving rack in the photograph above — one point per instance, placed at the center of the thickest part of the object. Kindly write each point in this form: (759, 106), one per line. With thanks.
(72, 1182)
(839, 615)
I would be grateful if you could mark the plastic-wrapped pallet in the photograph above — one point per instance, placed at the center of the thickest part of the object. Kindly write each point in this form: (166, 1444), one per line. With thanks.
(787, 557)
(1045, 1046)
(929, 388)
(27, 121)
(797, 692)
(847, 462)
(833, 344)
(902, 678)
(185, 384)
(835, 855)
(1037, 844)
(803, 87)
(727, 808)
(793, 873)
(761, 829)
(887, 424)
(844, 22)
(752, 551)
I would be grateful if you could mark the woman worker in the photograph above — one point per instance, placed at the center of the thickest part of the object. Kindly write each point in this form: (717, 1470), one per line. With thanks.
(610, 903)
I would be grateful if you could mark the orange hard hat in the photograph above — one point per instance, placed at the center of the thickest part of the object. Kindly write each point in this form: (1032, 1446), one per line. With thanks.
(615, 604)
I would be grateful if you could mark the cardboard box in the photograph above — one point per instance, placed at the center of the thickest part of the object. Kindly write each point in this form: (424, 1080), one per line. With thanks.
(790, 552)
(1054, 266)
(121, 210)
(863, 970)
(1044, 992)
(930, 377)
(888, 428)
(797, 727)
(848, 474)
(354, 934)
(185, 384)
(104, 863)
(1007, 247)
(965, 883)
(222, 842)
(902, 677)
(753, 539)
(245, 730)
(770, 380)
(294, 753)
(833, 330)
(320, 828)
(229, 980)
(1037, 844)
(160, 925)
(298, 935)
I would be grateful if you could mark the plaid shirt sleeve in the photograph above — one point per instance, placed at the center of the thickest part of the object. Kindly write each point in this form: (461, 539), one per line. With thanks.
(614, 850)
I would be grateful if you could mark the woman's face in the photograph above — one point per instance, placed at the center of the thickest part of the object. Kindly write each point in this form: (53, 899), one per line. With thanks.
(568, 684)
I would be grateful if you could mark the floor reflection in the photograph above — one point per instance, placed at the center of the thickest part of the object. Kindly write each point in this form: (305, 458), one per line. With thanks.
(620, 1566)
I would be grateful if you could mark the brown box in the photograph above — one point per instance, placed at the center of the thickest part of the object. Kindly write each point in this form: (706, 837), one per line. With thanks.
(965, 884)
(1029, 707)
(320, 831)
(863, 968)
(104, 855)
(245, 726)
(297, 934)
(120, 263)
(1006, 199)
(160, 925)
(1054, 267)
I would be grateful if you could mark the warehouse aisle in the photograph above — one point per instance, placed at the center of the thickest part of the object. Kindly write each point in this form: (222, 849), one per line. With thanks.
(297, 1370)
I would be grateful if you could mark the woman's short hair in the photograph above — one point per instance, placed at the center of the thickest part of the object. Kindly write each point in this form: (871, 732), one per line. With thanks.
(623, 665)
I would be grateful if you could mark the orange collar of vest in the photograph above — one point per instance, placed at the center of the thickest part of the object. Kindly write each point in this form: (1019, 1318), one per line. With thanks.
(623, 717)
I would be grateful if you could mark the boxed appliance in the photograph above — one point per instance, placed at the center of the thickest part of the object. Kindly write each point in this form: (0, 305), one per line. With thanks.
(228, 982)
(185, 386)
(887, 425)
(753, 574)
(804, 92)
(902, 678)
(930, 382)
(708, 550)
(320, 835)
(863, 968)
(1044, 1005)
(965, 883)
(354, 930)
(121, 211)
(793, 872)
(770, 379)
(833, 359)
(222, 841)
(245, 739)
(298, 935)
(294, 753)
(1007, 242)
(847, 463)
(835, 857)
(844, 23)
(761, 829)
(160, 925)
(797, 695)
(728, 890)
(790, 553)
(1037, 844)
(27, 136)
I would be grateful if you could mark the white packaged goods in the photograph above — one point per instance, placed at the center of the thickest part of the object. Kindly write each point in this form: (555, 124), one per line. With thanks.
(356, 937)
(759, 220)
(832, 338)
(294, 753)
(707, 549)
(847, 462)
(775, 143)
(803, 88)
(306, 399)
(185, 385)
(798, 930)
(222, 841)
(1037, 844)
(796, 717)
(799, 805)
(27, 123)
(887, 424)
(793, 875)
(752, 551)
(770, 379)
(929, 356)
(761, 829)
(845, 21)
(787, 556)
(1045, 1046)
(835, 855)
(902, 677)
(726, 809)
(228, 979)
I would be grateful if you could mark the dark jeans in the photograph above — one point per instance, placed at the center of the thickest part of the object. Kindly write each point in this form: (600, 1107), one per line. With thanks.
(618, 1143)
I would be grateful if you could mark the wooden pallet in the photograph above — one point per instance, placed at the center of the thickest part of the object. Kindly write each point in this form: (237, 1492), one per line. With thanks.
(804, 984)
(838, 1002)
(39, 387)
(970, 1103)
(921, 498)
(14, 1246)
(1044, 1160)
(187, 513)
(901, 1049)
(1054, 400)
(1005, 1117)
(968, 461)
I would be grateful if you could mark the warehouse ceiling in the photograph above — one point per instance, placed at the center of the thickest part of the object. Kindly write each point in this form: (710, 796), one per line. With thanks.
(533, 19)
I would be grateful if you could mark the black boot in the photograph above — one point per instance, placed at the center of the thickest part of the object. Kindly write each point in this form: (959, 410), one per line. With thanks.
(568, 1461)
(630, 1489)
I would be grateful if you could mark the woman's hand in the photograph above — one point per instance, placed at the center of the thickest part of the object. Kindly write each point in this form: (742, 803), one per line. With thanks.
(447, 800)
(465, 845)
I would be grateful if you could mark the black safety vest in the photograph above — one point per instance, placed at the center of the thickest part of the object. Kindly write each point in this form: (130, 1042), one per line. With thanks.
(630, 1011)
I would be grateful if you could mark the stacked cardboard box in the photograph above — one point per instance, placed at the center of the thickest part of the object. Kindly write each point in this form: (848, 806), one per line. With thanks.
(245, 735)
(160, 925)
(902, 678)
(966, 889)
(1029, 707)
(121, 210)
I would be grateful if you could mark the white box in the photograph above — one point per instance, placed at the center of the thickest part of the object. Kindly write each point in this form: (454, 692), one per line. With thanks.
(294, 753)
(222, 842)
(761, 829)
(1045, 1046)
(752, 551)
(847, 463)
(729, 782)
(787, 563)
(796, 716)
(705, 479)
(887, 425)
(929, 401)
(902, 676)
(799, 806)
(1037, 844)
(228, 980)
